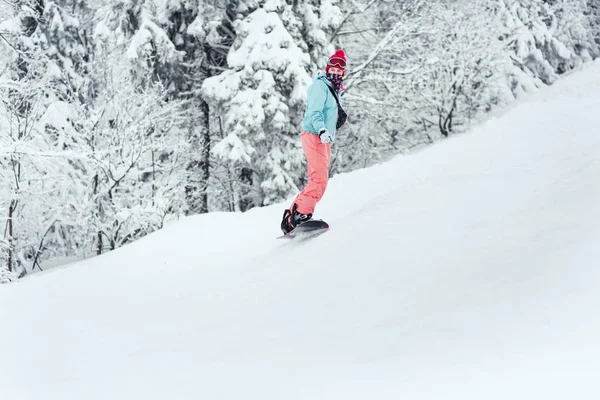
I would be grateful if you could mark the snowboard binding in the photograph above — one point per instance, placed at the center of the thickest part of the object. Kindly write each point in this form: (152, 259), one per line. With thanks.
(291, 219)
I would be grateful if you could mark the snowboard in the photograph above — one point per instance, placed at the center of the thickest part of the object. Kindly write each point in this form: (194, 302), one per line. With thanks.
(306, 229)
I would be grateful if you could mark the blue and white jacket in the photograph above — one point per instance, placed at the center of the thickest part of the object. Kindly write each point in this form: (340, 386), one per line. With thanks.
(321, 107)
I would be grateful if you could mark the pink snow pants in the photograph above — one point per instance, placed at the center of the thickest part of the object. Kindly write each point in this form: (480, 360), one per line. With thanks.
(317, 159)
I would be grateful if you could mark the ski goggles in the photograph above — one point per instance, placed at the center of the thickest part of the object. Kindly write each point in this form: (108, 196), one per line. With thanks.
(337, 62)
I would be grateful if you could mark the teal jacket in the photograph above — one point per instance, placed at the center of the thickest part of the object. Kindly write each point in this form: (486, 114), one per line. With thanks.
(321, 107)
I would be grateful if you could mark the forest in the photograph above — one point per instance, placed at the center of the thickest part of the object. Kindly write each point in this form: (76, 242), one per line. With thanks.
(120, 116)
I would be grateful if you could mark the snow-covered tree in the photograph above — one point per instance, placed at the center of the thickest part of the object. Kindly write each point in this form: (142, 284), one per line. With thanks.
(593, 15)
(66, 40)
(132, 129)
(382, 40)
(203, 34)
(33, 157)
(572, 26)
(5, 275)
(424, 69)
(136, 183)
(260, 102)
(547, 38)
(457, 80)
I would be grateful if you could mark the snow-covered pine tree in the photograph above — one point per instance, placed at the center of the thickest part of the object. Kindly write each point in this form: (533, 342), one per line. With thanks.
(65, 34)
(318, 23)
(258, 102)
(183, 79)
(202, 32)
(546, 39)
(572, 26)
(593, 15)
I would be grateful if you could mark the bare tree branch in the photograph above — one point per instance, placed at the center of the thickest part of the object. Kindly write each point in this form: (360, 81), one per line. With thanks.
(350, 14)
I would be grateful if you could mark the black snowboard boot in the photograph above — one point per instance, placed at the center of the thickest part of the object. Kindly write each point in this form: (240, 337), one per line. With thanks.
(292, 219)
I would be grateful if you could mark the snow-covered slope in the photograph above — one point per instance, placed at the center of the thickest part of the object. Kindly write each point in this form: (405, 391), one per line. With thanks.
(468, 270)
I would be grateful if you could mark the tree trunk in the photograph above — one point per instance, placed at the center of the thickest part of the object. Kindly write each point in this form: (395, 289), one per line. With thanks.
(198, 168)
(11, 212)
(99, 244)
(95, 184)
(246, 201)
(205, 159)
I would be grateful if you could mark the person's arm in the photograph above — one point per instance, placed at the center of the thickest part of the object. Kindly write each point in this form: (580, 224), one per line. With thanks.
(317, 95)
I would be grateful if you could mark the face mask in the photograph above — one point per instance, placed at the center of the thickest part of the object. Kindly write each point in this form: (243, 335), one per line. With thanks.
(336, 80)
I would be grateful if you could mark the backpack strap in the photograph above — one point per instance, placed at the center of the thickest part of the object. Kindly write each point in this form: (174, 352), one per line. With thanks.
(342, 116)
(334, 95)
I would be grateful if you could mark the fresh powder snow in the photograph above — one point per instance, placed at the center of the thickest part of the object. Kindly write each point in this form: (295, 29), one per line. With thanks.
(465, 270)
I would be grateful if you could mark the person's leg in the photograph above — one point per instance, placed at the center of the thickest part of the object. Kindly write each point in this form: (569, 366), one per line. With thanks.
(317, 160)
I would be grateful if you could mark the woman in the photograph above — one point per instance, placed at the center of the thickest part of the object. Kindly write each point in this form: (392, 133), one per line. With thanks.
(323, 116)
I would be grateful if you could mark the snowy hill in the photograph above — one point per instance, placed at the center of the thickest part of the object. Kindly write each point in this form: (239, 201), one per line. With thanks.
(468, 270)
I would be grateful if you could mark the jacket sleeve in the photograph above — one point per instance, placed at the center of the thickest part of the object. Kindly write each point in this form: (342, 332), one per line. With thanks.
(317, 95)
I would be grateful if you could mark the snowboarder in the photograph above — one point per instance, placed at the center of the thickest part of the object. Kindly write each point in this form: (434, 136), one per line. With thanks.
(322, 118)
